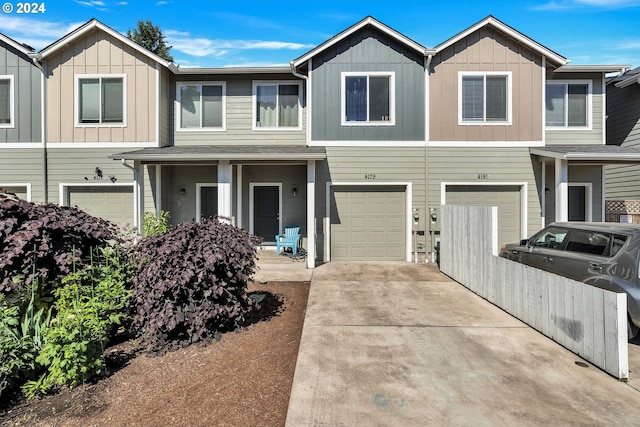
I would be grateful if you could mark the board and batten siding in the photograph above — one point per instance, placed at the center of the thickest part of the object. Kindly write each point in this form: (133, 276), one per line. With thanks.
(486, 50)
(369, 166)
(27, 96)
(580, 136)
(623, 128)
(368, 51)
(239, 115)
(486, 166)
(98, 53)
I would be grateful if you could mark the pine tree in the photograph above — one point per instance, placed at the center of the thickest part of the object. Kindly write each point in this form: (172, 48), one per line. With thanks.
(151, 38)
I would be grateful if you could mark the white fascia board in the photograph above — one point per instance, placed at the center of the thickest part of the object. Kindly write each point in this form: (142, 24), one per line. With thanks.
(14, 44)
(353, 29)
(490, 20)
(628, 81)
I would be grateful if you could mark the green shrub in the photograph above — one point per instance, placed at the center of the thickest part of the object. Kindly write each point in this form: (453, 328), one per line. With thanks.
(153, 225)
(191, 283)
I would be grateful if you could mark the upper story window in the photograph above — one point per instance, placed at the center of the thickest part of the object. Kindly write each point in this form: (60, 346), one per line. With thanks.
(485, 98)
(202, 105)
(368, 98)
(100, 100)
(6, 101)
(277, 105)
(568, 104)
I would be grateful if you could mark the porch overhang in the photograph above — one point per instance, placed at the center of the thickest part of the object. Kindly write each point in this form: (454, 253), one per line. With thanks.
(589, 154)
(209, 153)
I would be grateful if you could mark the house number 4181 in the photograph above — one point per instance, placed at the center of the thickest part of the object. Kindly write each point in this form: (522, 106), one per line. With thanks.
(370, 176)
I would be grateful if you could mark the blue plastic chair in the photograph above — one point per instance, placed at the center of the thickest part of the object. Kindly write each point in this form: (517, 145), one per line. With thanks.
(288, 239)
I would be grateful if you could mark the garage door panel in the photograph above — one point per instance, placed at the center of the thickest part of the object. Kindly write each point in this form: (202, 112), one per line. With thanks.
(368, 223)
(112, 203)
(506, 197)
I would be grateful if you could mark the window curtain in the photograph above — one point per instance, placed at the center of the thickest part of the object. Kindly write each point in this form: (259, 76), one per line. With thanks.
(112, 100)
(554, 105)
(288, 105)
(212, 106)
(89, 101)
(472, 98)
(379, 99)
(496, 98)
(266, 97)
(5, 101)
(190, 106)
(577, 105)
(356, 99)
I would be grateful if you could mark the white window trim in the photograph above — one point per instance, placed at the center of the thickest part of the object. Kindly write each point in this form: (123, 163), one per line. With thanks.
(509, 76)
(12, 123)
(254, 101)
(26, 185)
(76, 101)
(179, 104)
(566, 127)
(392, 97)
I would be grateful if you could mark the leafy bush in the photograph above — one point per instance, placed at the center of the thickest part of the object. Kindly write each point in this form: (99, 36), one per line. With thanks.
(153, 225)
(191, 283)
(90, 304)
(43, 241)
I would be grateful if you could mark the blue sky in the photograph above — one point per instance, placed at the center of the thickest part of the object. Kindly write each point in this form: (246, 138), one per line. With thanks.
(255, 33)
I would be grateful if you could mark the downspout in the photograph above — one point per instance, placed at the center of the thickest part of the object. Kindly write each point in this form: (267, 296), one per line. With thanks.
(426, 215)
(35, 57)
(137, 195)
(307, 95)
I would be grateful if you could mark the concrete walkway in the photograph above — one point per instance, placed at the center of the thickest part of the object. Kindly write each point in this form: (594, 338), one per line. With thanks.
(397, 344)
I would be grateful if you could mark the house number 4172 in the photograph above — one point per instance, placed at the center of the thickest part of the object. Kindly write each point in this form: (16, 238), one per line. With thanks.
(483, 176)
(370, 176)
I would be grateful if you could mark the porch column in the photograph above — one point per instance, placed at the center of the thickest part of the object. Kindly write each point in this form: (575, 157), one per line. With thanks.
(224, 188)
(562, 190)
(311, 213)
(138, 194)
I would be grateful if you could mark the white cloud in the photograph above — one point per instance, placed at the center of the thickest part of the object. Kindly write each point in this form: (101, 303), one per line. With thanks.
(34, 32)
(200, 46)
(573, 4)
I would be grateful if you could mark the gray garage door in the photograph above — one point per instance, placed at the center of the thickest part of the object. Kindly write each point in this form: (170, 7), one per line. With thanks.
(368, 224)
(506, 198)
(112, 203)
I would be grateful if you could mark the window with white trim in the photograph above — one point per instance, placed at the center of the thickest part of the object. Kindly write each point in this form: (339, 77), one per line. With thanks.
(100, 99)
(368, 98)
(202, 105)
(568, 104)
(6, 101)
(484, 98)
(277, 105)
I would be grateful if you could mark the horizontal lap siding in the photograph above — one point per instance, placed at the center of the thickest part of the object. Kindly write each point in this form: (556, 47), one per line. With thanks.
(512, 165)
(23, 166)
(623, 128)
(239, 117)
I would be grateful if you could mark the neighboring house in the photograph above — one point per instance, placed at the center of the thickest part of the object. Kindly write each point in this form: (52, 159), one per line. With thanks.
(623, 129)
(22, 154)
(359, 142)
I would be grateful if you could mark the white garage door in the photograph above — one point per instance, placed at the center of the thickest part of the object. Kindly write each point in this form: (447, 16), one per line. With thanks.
(368, 224)
(19, 190)
(112, 203)
(507, 198)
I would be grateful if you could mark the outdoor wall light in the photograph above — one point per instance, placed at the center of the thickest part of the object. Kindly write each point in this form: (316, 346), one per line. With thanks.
(294, 192)
(182, 191)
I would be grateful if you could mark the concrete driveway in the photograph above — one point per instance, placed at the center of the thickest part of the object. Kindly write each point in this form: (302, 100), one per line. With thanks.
(397, 344)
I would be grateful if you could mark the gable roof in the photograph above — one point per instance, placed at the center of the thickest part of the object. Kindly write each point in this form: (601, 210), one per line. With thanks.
(16, 45)
(368, 21)
(511, 32)
(83, 30)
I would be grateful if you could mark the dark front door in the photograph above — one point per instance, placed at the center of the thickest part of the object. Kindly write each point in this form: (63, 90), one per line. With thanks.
(266, 212)
(208, 202)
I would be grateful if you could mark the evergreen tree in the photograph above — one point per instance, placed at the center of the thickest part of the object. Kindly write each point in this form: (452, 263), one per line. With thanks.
(151, 38)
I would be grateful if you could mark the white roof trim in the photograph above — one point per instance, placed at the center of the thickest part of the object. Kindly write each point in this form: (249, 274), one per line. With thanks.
(89, 26)
(490, 20)
(14, 44)
(628, 81)
(353, 29)
(595, 68)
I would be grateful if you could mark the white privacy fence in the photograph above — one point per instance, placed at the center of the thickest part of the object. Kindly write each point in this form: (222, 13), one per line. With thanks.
(588, 321)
